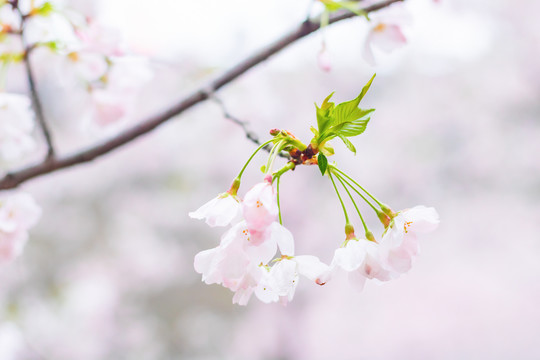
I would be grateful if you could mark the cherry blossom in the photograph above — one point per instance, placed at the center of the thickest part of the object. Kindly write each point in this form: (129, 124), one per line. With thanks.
(361, 259)
(400, 242)
(235, 263)
(16, 125)
(18, 213)
(114, 100)
(383, 36)
(260, 206)
(220, 211)
(87, 66)
(280, 281)
(53, 28)
(97, 38)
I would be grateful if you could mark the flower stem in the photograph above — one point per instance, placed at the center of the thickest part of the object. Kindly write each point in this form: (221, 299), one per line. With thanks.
(360, 186)
(339, 196)
(360, 194)
(290, 166)
(278, 205)
(251, 157)
(272, 157)
(354, 203)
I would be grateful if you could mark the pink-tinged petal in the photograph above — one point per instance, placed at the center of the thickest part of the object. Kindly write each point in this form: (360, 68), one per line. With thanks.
(284, 277)
(422, 219)
(262, 253)
(357, 280)
(89, 66)
(12, 244)
(387, 37)
(399, 260)
(323, 61)
(283, 237)
(264, 290)
(312, 268)
(350, 257)
(242, 296)
(260, 206)
(204, 263)
(220, 211)
(367, 52)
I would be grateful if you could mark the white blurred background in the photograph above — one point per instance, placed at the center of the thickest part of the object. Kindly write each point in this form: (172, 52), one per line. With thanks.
(108, 274)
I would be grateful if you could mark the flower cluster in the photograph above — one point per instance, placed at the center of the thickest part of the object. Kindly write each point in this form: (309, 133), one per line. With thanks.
(245, 260)
(89, 55)
(242, 261)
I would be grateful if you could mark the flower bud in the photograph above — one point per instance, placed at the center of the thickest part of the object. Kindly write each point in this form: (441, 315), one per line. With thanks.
(349, 231)
(385, 219)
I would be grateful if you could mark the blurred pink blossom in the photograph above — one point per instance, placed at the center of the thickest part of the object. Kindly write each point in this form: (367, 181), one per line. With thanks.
(18, 213)
(385, 37)
(16, 125)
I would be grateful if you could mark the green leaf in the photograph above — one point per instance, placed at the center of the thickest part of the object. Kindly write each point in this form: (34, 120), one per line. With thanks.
(327, 150)
(348, 143)
(352, 6)
(324, 113)
(323, 163)
(366, 87)
(355, 127)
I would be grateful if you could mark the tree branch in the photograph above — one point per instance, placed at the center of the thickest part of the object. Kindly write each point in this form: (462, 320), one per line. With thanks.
(36, 101)
(16, 178)
(38, 107)
(250, 135)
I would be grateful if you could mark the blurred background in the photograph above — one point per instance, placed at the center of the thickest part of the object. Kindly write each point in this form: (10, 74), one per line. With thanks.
(108, 272)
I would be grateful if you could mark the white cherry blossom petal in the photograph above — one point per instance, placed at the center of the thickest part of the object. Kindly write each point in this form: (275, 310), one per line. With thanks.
(220, 211)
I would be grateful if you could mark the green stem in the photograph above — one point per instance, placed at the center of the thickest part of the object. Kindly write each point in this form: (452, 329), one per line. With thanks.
(272, 157)
(283, 170)
(339, 196)
(360, 194)
(360, 186)
(354, 203)
(251, 157)
(278, 205)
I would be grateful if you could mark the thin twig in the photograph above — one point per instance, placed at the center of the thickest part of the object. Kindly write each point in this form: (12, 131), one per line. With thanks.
(36, 101)
(38, 108)
(16, 178)
(250, 135)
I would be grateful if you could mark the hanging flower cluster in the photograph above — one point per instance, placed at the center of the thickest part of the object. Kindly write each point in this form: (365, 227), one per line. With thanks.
(245, 260)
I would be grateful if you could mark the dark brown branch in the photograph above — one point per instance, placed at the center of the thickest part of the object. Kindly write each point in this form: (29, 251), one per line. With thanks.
(38, 108)
(14, 179)
(36, 101)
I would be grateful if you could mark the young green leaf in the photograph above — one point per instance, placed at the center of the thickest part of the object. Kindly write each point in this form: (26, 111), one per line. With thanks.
(324, 113)
(348, 143)
(356, 126)
(352, 6)
(366, 87)
(323, 163)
